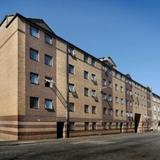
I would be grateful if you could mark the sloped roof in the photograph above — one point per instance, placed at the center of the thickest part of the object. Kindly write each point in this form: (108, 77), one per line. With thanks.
(41, 23)
(128, 76)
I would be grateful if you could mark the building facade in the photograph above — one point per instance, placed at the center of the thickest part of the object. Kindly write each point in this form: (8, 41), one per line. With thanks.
(50, 88)
(155, 112)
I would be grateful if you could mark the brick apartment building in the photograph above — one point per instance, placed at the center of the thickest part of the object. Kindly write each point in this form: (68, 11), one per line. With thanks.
(52, 89)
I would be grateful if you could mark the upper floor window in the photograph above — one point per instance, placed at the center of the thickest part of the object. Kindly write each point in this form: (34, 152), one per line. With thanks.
(86, 75)
(93, 77)
(71, 107)
(34, 78)
(122, 113)
(116, 100)
(116, 87)
(94, 93)
(116, 113)
(93, 109)
(71, 88)
(48, 39)
(34, 54)
(104, 96)
(93, 62)
(71, 51)
(48, 60)
(86, 91)
(34, 32)
(86, 108)
(104, 82)
(110, 84)
(122, 101)
(33, 102)
(48, 82)
(71, 69)
(110, 98)
(122, 89)
(104, 111)
(86, 59)
(48, 104)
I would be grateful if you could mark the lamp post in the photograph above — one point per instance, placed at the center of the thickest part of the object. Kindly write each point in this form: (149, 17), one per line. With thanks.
(52, 83)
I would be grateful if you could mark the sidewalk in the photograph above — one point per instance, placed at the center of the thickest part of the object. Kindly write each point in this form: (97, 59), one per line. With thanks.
(75, 139)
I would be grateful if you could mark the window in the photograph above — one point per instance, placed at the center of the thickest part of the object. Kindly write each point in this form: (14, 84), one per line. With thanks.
(86, 109)
(71, 88)
(34, 32)
(104, 111)
(110, 125)
(34, 54)
(93, 109)
(122, 101)
(110, 112)
(48, 39)
(116, 87)
(71, 51)
(86, 92)
(104, 124)
(116, 113)
(104, 82)
(34, 78)
(71, 69)
(104, 96)
(110, 98)
(71, 107)
(110, 84)
(94, 126)
(48, 60)
(93, 62)
(122, 89)
(86, 75)
(121, 113)
(94, 79)
(86, 126)
(48, 82)
(33, 102)
(86, 59)
(94, 93)
(116, 125)
(71, 126)
(116, 100)
(48, 104)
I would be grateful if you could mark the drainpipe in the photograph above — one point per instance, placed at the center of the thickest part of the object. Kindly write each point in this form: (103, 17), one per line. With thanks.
(67, 109)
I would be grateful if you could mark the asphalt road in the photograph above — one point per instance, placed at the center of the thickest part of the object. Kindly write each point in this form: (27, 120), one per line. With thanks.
(115, 147)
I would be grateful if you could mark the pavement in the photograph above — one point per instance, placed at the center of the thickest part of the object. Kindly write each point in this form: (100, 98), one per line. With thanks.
(109, 147)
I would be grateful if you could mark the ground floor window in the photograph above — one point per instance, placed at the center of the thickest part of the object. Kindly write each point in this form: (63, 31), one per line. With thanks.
(116, 125)
(86, 126)
(48, 104)
(94, 126)
(110, 125)
(33, 102)
(104, 124)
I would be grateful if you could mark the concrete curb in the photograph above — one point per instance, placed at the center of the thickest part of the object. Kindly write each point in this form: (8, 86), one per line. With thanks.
(69, 140)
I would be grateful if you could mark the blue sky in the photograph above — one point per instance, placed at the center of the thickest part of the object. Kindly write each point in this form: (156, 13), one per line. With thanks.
(126, 30)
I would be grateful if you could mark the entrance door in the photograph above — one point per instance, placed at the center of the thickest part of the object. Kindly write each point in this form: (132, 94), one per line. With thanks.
(137, 120)
(60, 126)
